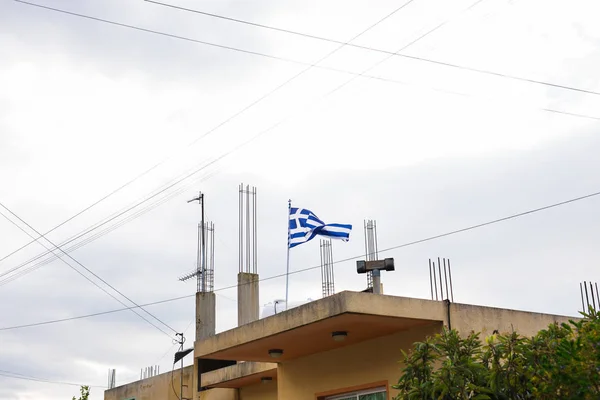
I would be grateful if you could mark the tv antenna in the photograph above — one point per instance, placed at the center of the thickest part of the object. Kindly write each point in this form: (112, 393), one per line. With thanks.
(205, 259)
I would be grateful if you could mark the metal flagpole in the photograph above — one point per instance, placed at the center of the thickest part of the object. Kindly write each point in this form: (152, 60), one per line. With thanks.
(203, 247)
(287, 271)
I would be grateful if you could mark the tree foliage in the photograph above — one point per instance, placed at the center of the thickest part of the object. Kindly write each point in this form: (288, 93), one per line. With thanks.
(560, 362)
(85, 393)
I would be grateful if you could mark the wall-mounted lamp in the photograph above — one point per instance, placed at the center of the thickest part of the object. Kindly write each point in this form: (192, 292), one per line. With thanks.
(275, 353)
(339, 336)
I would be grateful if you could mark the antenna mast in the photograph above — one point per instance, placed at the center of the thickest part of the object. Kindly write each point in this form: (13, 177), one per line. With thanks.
(205, 258)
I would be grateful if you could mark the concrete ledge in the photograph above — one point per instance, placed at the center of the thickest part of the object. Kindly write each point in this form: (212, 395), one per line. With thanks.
(365, 316)
(411, 311)
(466, 317)
(239, 375)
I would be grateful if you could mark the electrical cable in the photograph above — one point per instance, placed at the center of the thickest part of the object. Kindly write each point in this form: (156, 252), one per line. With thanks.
(447, 64)
(88, 279)
(89, 271)
(210, 131)
(85, 241)
(185, 38)
(362, 74)
(173, 383)
(184, 177)
(151, 195)
(227, 120)
(99, 313)
(324, 39)
(93, 227)
(175, 343)
(91, 281)
(138, 214)
(14, 375)
(358, 75)
(147, 209)
(430, 238)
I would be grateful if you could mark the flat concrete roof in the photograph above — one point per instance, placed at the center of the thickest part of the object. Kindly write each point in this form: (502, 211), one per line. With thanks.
(307, 329)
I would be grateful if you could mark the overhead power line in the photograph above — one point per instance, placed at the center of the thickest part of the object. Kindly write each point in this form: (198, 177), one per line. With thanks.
(111, 218)
(136, 215)
(189, 39)
(14, 375)
(329, 40)
(54, 321)
(227, 120)
(89, 271)
(423, 59)
(238, 113)
(172, 346)
(412, 243)
(363, 74)
(404, 47)
(30, 269)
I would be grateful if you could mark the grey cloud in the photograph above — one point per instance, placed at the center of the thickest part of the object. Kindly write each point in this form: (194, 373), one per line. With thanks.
(534, 262)
(520, 264)
(119, 50)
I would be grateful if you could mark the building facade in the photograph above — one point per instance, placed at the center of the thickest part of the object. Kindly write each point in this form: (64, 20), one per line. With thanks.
(343, 347)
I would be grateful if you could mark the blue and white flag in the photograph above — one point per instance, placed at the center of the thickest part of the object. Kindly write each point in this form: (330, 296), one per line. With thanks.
(305, 225)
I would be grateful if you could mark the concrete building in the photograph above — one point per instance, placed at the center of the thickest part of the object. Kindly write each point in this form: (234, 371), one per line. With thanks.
(345, 346)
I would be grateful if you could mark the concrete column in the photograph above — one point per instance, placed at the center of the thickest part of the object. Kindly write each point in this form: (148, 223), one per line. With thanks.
(205, 315)
(248, 309)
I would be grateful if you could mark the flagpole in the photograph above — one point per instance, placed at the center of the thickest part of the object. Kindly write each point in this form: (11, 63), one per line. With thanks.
(287, 270)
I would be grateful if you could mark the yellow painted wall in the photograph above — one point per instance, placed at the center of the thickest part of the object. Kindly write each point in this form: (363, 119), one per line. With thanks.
(156, 388)
(378, 359)
(217, 394)
(466, 318)
(363, 363)
(160, 388)
(267, 391)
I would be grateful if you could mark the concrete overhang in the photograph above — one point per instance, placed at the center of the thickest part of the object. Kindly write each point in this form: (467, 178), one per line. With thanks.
(239, 375)
(307, 329)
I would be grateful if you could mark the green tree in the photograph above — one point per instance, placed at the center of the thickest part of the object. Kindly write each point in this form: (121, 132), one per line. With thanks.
(85, 393)
(560, 362)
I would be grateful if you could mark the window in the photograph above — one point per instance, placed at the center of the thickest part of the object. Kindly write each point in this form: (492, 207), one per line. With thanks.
(370, 394)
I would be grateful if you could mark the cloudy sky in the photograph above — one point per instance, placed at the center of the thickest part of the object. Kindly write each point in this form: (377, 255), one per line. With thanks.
(86, 107)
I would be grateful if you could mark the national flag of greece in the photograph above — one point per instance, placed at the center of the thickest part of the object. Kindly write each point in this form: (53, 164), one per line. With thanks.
(305, 225)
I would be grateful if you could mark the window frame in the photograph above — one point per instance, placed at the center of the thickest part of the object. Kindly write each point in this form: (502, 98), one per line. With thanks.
(367, 388)
(357, 393)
